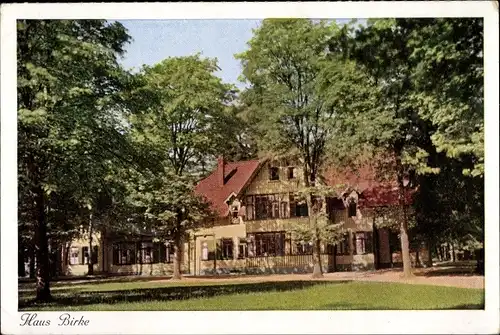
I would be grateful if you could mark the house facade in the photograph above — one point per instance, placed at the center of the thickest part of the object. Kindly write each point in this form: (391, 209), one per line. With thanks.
(256, 208)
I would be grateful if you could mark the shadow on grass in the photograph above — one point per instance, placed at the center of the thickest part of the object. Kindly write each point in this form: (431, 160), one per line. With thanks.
(168, 293)
(27, 283)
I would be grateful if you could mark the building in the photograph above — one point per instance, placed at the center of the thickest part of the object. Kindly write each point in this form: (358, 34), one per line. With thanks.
(256, 207)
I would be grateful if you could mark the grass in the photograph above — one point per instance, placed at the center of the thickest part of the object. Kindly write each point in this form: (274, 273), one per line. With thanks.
(280, 295)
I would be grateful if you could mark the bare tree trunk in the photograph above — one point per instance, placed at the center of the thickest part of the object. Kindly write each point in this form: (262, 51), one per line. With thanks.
(177, 257)
(453, 252)
(90, 271)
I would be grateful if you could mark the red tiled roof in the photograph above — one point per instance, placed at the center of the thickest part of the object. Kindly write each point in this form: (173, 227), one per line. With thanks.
(217, 193)
(373, 192)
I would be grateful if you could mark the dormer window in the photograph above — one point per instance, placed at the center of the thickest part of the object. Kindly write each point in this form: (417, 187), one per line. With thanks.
(234, 211)
(351, 209)
(274, 173)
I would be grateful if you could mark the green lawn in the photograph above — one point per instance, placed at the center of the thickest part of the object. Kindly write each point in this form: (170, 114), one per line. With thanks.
(288, 295)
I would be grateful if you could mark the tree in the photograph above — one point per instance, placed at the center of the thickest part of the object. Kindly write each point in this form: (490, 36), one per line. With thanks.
(181, 124)
(282, 64)
(450, 51)
(67, 72)
(376, 64)
(408, 122)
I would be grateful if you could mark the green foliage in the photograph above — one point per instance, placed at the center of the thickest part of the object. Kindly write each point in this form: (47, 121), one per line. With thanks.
(450, 51)
(69, 133)
(281, 64)
(284, 59)
(169, 204)
(185, 118)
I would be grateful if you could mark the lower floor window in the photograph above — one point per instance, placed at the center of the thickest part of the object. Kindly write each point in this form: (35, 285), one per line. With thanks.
(304, 248)
(362, 243)
(242, 249)
(225, 248)
(74, 256)
(127, 253)
(343, 246)
(267, 244)
(85, 255)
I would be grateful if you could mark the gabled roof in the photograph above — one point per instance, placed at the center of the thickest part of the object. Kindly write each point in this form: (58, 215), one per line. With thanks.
(373, 192)
(236, 176)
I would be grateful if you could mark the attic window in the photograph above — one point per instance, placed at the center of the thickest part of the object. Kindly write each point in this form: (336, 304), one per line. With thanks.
(291, 172)
(351, 209)
(274, 173)
(234, 211)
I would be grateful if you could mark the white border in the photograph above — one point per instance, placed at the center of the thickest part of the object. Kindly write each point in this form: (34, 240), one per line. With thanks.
(376, 322)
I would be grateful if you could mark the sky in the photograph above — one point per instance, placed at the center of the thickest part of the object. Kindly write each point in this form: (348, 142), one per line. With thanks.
(155, 40)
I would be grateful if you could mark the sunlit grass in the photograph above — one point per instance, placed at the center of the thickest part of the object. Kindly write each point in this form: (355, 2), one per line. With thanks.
(280, 295)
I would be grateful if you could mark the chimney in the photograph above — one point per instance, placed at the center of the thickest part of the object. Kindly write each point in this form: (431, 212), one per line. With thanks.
(220, 169)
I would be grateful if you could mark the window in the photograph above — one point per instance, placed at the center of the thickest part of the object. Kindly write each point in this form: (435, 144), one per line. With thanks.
(275, 213)
(291, 172)
(242, 249)
(85, 255)
(351, 209)
(343, 246)
(284, 210)
(268, 244)
(304, 248)
(145, 253)
(204, 251)
(163, 251)
(249, 207)
(124, 253)
(127, 253)
(298, 208)
(74, 256)
(225, 248)
(362, 243)
(268, 206)
(274, 173)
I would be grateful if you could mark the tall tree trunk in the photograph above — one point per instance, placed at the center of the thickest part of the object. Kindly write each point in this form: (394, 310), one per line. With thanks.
(90, 271)
(65, 262)
(317, 268)
(429, 253)
(21, 271)
(453, 252)
(405, 245)
(177, 256)
(312, 214)
(42, 250)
